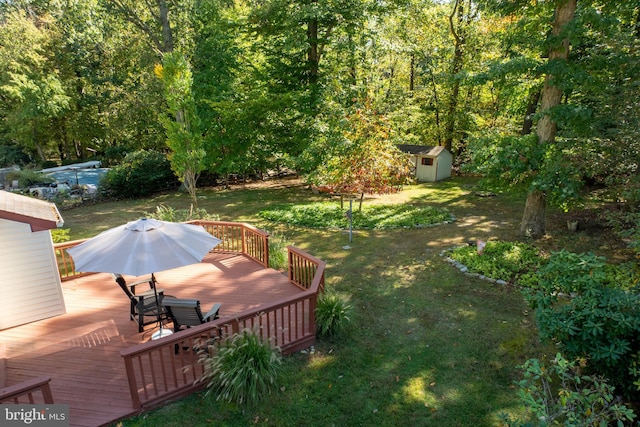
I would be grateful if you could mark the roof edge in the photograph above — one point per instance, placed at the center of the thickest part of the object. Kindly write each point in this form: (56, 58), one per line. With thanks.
(36, 224)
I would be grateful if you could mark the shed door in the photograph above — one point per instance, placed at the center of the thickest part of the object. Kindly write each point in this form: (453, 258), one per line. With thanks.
(30, 285)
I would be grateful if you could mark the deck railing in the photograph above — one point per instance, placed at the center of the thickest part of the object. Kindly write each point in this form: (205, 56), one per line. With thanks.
(32, 391)
(236, 238)
(303, 268)
(239, 238)
(168, 368)
(66, 268)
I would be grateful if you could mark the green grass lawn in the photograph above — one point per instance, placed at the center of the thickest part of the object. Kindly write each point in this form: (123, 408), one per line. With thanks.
(428, 346)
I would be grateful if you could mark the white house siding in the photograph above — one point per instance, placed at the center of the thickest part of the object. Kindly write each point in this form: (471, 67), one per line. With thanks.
(29, 282)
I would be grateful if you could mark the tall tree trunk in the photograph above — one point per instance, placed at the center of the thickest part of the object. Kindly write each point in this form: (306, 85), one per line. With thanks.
(167, 36)
(533, 223)
(412, 72)
(533, 218)
(456, 67)
(36, 144)
(436, 104)
(312, 54)
(353, 75)
(161, 43)
(532, 106)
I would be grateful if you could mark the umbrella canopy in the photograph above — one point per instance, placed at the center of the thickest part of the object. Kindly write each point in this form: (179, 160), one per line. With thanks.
(143, 246)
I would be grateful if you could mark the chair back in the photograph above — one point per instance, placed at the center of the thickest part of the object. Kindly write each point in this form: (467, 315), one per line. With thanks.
(183, 312)
(123, 285)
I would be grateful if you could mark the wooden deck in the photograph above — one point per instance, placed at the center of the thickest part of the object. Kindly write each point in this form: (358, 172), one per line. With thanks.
(80, 350)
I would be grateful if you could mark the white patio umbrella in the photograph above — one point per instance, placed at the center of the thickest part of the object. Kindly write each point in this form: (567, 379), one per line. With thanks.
(144, 246)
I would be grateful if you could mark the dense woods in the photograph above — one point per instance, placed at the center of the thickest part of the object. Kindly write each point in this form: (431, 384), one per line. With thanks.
(539, 95)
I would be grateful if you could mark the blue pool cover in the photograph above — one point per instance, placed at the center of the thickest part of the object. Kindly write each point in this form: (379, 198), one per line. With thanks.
(89, 176)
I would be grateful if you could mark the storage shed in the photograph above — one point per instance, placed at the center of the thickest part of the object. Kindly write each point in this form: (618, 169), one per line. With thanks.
(430, 163)
(30, 287)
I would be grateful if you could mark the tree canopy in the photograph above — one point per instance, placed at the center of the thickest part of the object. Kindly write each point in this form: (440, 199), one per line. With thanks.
(275, 85)
(364, 158)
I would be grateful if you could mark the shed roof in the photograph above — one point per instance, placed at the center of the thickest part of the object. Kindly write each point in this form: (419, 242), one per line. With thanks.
(40, 215)
(422, 150)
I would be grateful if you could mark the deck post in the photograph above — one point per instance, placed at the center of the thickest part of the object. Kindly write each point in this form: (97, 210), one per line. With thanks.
(244, 239)
(46, 393)
(133, 387)
(266, 251)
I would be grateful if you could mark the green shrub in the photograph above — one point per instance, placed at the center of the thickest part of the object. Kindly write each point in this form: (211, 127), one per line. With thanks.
(12, 155)
(243, 369)
(60, 235)
(633, 234)
(27, 177)
(625, 276)
(587, 317)
(331, 215)
(560, 395)
(167, 213)
(333, 313)
(509, 261)
(113, 155)
(141, 173)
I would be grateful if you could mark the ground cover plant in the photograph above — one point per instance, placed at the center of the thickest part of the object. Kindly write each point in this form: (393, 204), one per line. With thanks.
(427, 345)
(512, 262)
(520, 264)
(331, 215)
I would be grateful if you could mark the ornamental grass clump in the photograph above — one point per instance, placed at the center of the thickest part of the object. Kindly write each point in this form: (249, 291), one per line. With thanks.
(278, 254)
(333, 313)
(243, 369)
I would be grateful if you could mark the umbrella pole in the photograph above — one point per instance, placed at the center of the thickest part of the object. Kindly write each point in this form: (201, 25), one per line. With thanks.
(161, 333)
(155, 293)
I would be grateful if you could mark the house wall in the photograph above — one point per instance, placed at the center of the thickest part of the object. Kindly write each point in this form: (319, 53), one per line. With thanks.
(30, 284)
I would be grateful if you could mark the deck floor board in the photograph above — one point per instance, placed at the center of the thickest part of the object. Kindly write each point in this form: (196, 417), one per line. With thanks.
(80, 350)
